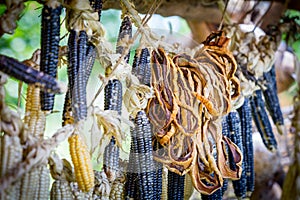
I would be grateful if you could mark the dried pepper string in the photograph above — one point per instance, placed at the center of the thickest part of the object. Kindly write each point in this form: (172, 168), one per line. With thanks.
(176, 81)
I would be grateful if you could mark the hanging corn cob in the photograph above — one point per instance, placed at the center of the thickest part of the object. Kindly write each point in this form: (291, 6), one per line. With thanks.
(82, 163)
(62, 173)
(141, 170)
(269, 89)
(141, 66)
(61, 190)
(131, 189)
(261, 120)
(11, 153)
(22, 72)
(234, 124)
(113, 101)
(118, 189)
(246, 128)
(175, 186)
(97, 6)
(50, 46)
(217, 195)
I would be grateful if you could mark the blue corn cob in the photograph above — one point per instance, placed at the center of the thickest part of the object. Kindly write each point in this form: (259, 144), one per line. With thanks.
(217, 195)
(112, 101)
(125, 31)
(79, 83)
(18, 70)
(271, 97)
(234, 124)
(262, 122)
(97, 6)
(246, 127)
(49, 49)
(175, 186)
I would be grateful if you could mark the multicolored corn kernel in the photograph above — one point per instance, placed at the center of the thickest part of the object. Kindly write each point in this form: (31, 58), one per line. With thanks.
(246, 128)
(61, 190)
(261, 120)
(50, 37)
(125, 33)
(82, 163)
(175, 186)
(22, 72)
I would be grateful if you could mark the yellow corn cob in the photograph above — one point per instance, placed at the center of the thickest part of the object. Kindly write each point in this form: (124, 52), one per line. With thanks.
(82, 163)
(61, 190)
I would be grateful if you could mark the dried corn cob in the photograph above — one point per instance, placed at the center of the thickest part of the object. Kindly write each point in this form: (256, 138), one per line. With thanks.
(42, 191)
(67, 111)
(61, 190)
(217, 195)
(82, 163)
(141, 66)
(188, 187)
(72, 58)
(79, 88)
(112, 101)
(90, 60)
(125, 34)
(29, 184)
(18, 70)
(78, 194)
(246, 127)
(118, 189)
(225, 186)
(35, 184)
(175, 186)
(131, 190)
(234, 124)
(10, 154)
(50, 47)
(271, 98)
(164, 193)
(157, 187)
(97, 6)
(262, 122)
(146, 163)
